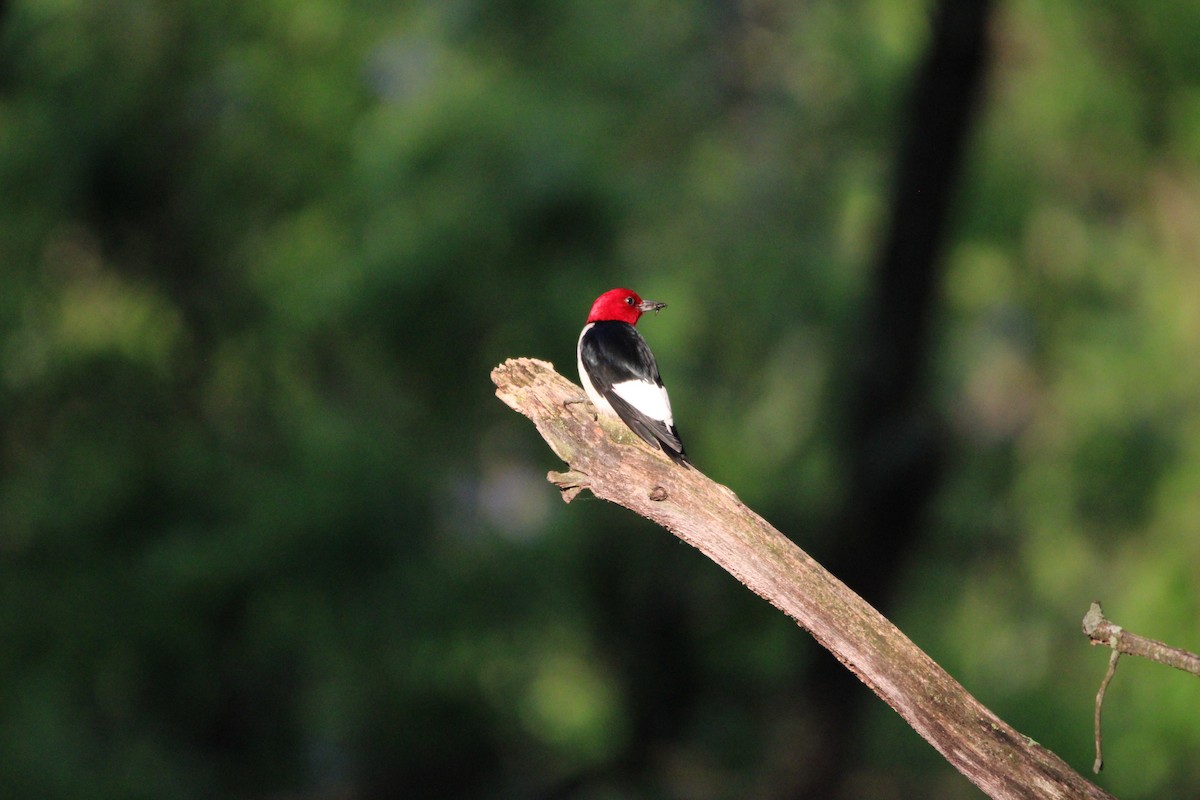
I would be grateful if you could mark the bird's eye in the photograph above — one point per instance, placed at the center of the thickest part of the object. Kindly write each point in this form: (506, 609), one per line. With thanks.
(629, 300)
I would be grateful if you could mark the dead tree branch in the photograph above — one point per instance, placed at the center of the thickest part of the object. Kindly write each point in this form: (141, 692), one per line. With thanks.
(616, 466)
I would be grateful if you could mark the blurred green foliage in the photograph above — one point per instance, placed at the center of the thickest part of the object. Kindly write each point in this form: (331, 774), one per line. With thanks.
(264, 529)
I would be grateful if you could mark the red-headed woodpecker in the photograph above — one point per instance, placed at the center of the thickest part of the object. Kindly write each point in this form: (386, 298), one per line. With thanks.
(619, 373)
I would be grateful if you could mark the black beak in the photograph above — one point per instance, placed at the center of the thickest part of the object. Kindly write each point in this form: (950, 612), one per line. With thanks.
(651, 305)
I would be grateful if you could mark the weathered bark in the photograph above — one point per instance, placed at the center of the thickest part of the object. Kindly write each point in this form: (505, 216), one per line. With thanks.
(614, 465)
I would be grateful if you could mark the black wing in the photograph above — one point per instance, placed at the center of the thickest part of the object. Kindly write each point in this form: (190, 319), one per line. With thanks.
(613, 353)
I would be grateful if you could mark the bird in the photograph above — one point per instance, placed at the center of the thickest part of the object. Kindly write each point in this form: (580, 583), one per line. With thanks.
(619, 373)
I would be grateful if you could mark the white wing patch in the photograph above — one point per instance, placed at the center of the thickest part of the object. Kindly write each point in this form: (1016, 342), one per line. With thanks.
(648, 398)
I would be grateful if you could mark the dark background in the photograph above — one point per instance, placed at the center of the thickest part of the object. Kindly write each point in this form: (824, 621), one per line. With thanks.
(934, 287)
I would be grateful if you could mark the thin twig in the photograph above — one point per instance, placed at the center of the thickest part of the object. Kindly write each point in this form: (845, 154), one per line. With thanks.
(1103, 631)
(1098, 764)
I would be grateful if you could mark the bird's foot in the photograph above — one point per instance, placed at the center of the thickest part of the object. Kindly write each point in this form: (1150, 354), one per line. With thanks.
(588, 405)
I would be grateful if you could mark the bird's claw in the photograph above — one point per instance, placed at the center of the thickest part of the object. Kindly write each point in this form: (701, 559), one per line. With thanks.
(590, 407)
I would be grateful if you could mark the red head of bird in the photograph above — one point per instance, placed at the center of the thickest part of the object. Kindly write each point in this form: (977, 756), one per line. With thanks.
(621, 305)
